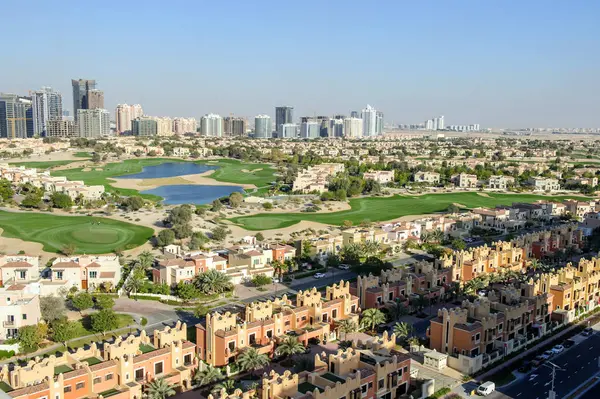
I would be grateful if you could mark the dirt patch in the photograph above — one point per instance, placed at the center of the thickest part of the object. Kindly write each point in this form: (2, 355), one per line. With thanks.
(458, 205)
(484, 195)
(11, 246)
(251, 171)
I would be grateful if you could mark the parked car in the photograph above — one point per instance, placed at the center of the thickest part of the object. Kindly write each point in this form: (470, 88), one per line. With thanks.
(568, 343)
(276, 280)
(558, 349)
(486, 388)
(587, 332)
(526, 367)
(319, 275)
(549, 353)
(532, 377)
(344, 267)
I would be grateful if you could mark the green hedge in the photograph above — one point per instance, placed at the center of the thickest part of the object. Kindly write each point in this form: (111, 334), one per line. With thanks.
(439, 393)
(309, 273)
(6, 354)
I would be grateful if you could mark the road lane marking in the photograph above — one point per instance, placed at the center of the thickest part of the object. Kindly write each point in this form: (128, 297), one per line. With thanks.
(560, 382)
(546, 384)
(535, 383)
(578, 356)
(519, 394)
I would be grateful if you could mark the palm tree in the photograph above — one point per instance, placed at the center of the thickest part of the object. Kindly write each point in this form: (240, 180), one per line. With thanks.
(396, 310)
(213, 282)
(251, 360)
(227, 385)
(372, 318)
(135, 282)
(146, 259)
(347, 326)
(535, 264)
(208, 375)
(414, 341)
(402, 330)
(371, 248)
(425, 237)
(159, 389)
(290, 346)
(437, 235)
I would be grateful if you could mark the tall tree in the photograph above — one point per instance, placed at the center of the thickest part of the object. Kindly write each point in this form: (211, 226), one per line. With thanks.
(64, 330)
(82, 301)
(104, 320)
(52, 308)
(207, 375)
(251, 360)
(371, 318)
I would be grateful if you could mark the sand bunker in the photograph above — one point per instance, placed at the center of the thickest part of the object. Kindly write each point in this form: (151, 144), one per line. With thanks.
(484, 195)
(251, 171)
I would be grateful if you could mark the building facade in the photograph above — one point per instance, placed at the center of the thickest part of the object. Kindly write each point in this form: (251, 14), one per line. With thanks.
(283, 115)
(144, 126)
(369, 120)
(211, 125)
(47, 105)
(235, 126)
(61, 128)
(262, 127)
(16, 117)
(93, 123)
(353, 127)
(81, 88)
(124, 114)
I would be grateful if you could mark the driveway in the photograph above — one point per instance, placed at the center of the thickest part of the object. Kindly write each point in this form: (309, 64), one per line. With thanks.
(158, 314)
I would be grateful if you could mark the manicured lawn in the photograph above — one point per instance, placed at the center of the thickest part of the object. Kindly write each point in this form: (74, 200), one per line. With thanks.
(90, 235)
(83, 154)
(62, 369)
(42, 164)
(5, 387)
(147, 348)
(380, 209)
(92, 360)
(229, 171)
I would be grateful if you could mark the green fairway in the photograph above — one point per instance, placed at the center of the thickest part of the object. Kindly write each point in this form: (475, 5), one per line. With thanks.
(380, 209)
(229, 171)
(90, 235)
(43, 164)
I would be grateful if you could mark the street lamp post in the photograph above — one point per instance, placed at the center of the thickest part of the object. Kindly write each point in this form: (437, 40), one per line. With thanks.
(554, 367)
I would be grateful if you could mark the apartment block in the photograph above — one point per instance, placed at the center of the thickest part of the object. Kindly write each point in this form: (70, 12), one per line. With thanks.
(119, 369)
(222, 337)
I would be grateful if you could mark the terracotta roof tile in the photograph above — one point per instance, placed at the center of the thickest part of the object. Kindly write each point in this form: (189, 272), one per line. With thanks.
(74, 373)
(103, 365)
(29, 390)
(60, 265)
(150, 355)
(17, 265)
(107, 274)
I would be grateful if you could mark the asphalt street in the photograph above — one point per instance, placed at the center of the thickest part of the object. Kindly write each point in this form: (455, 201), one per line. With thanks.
(578, 364)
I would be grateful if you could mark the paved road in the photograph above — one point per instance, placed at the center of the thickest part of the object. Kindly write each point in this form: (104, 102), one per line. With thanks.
(580, 363)
(593, 392)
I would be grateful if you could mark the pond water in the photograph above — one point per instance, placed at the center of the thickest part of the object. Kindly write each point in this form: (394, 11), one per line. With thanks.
(170, 169)
(192, 194)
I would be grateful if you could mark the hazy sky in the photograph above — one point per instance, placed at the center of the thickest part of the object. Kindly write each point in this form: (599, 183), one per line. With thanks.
(498, 63)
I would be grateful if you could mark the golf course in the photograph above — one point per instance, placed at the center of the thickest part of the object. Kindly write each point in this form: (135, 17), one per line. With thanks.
(377, 209)
(230, 171)
(90, 235)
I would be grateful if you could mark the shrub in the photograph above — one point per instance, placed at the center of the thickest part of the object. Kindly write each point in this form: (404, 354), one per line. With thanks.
(439, 393)
(144, 321)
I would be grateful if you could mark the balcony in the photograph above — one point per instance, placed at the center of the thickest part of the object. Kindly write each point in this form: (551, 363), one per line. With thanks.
(8, 323)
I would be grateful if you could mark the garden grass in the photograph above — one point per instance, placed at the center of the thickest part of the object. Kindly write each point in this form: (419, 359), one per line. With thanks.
(90, 235)
(377, 209)
(42, 164)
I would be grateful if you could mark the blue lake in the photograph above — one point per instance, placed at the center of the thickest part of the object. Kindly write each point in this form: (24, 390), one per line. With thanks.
(170, 169)
(191, 194)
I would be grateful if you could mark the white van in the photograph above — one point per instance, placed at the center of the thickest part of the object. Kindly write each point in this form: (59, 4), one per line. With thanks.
(486, 388)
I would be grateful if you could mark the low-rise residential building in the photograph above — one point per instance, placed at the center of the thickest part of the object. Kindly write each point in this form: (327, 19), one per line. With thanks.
(86, 272)
(119, 369)
(583, 181)
(374, 371)
(427, 177)
(380, 176)
(464, 180)
(222, 337)
(314, 178)
(544, 184)
(500, 182)
(19, 307)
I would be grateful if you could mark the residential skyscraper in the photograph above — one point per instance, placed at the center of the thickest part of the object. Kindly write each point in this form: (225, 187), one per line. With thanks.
(353, 127)
(310, 130)
(185, 125)
(262, 127)
(369, 117)
(211, 125)
(337, 127)
(16, 117)
(354, 114)
(289, 131)
(379, 123)
(435, 123)
(283, 115)
(124, 114)
(46, 105)
(61, 128)
(235, 126)
(95, 99)
(144, 126)
(81, 90)
(93, 122)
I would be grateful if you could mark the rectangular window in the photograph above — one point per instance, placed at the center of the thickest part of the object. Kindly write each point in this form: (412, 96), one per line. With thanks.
(59, 275)
(67, 389)
(158, 368)
(97, 380)
(24, 316)
(93, 274)
(79, 385)
(381, 384)
(22, 274)
(108, 377)
(187, 359)
(139, 374)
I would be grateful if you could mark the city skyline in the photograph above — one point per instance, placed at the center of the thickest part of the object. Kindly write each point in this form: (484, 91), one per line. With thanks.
(515, 71)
